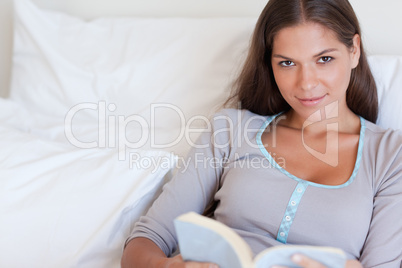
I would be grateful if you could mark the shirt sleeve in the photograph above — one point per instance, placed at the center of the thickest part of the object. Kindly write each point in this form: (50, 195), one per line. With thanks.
(383, 246)
(193, 187)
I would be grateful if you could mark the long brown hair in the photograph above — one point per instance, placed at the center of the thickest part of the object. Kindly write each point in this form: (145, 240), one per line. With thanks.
(256, 89)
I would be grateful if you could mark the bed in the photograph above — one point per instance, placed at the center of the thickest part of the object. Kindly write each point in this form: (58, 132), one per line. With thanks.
(101, 101)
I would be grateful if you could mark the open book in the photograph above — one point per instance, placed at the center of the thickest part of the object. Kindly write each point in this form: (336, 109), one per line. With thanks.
(205, 240)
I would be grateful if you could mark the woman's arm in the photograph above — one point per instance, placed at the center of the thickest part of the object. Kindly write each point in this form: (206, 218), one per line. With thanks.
(382, 247)
(142, 252)
(192, 189)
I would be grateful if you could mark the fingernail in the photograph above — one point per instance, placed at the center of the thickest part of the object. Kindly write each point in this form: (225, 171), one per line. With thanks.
(297, 258)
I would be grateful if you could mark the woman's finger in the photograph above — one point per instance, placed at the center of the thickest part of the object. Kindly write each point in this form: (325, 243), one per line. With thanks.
(304, 261)
(201, 265)
(177, 262)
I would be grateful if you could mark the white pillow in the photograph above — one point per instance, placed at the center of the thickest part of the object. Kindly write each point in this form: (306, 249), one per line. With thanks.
(183, 66)
(66, 207)
(387, 72)
(175, 68)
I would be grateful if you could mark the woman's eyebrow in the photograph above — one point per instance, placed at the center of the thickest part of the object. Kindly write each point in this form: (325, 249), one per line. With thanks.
(325, 51)
(280, 56)
(316, 55)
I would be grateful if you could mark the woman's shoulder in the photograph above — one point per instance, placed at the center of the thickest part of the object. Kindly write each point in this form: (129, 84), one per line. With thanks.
(384, 148)
(379, 133)
(386, 142)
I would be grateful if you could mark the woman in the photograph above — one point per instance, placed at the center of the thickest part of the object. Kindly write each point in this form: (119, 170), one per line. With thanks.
(302, 163)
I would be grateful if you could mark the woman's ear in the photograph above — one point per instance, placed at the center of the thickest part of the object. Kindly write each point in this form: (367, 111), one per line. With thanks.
(355, 54)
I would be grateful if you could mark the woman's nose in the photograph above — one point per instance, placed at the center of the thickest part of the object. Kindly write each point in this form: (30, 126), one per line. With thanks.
(308, 78)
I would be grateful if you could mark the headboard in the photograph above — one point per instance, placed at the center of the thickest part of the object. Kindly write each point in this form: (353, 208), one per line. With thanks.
(380, 20)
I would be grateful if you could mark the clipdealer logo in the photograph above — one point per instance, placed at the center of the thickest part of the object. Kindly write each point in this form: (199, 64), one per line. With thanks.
(112, 130)
(331, 154)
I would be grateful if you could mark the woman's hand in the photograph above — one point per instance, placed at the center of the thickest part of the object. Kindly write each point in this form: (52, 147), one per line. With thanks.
(177, 262)
(141, 252)
(306, 262)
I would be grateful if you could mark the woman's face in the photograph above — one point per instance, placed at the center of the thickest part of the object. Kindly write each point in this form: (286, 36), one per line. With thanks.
(312, 67)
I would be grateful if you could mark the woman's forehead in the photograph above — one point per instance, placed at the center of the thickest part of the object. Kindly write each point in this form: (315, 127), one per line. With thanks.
(305, 37)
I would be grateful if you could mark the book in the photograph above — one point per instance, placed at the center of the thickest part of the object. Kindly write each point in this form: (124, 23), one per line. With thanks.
(203, 239)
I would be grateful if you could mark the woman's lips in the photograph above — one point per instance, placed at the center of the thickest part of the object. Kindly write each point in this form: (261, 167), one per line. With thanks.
(311, 101)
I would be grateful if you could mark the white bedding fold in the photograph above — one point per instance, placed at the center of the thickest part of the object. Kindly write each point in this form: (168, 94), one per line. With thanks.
(68, 207)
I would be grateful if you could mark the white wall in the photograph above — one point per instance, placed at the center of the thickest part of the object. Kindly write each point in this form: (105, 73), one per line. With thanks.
(381, 20)
(381, 23)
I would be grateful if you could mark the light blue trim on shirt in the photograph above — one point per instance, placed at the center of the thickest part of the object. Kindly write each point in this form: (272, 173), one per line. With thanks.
(277, 166)
(290, 213)
(302, 185)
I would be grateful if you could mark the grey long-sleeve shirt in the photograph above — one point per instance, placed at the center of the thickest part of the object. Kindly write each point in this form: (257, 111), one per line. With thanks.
(268, 206)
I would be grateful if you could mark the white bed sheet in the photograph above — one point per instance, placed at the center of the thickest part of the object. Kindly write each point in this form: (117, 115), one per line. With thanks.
(62, 206)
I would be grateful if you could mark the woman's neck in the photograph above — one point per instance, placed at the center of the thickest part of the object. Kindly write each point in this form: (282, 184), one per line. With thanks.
(323, 120)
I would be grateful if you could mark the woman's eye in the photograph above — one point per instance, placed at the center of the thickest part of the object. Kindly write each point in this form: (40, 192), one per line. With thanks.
(287, 63)
(325, 59)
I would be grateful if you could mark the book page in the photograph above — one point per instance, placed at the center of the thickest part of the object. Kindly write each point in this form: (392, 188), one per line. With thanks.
(206, 240)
